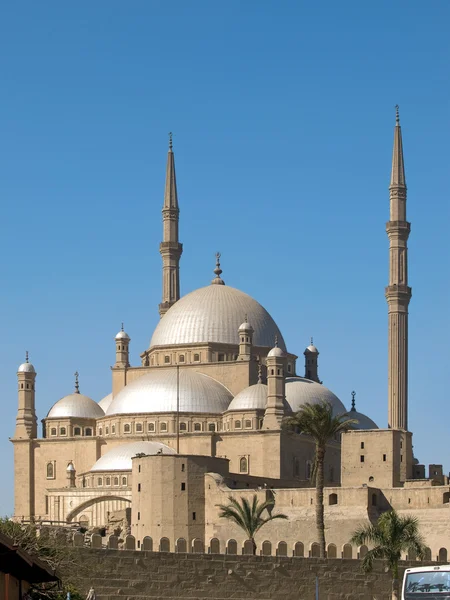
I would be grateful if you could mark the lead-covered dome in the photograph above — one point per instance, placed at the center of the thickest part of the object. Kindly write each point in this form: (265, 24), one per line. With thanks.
(76, 405)
(364, 422)
(251, 398)
(156, 392)
(105, 402)
(214, 314)
(300, 391)
(119, 458)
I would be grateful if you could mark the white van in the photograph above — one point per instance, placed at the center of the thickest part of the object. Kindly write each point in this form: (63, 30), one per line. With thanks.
(428, 583)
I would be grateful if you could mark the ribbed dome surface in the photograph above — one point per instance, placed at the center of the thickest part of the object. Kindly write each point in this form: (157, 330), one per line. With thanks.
(214, 314)
(105, 402)
(156, 392)
(250, 398)
(76, 405)
(364, 422)
(119, 458)
(300, 391)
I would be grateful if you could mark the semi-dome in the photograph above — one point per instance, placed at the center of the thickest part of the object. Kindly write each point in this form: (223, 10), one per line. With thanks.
(75, 405)
(251, 398)
(214, 314)
(300, 391)
(105, 402)
(156, 392)
(119, 458)
(364, 422)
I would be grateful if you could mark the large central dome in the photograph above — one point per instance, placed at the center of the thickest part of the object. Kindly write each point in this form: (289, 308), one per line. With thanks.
(214, 314)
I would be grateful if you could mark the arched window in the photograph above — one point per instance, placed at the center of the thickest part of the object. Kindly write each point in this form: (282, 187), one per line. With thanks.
(181, 358)
(237, 425)
(100, 431)
(332, 499)
(108, 481)
(62, 431)
(196, 357)
(88, 431)
(167, 360)
(106, 430)
(53, 431)
(50, 470)
(138, 427)
(99, 481)
(127, 428)
(77, 431)
(211, 426)
(197, 426)
(183, 427)
(163, 426)
(151, 427)
(113, 429)
(116, 481)
(124, 480)
(243, 464)
(248, 424)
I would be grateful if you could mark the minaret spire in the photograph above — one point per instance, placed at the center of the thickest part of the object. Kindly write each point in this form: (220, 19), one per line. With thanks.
(398, 293)
(170, 248)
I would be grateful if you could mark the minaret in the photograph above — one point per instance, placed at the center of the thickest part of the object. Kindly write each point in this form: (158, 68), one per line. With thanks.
(398, 294)
(26, 421)
(312, 363)
(122, 340)
(276, 388)
(245, 340)
(170, 248)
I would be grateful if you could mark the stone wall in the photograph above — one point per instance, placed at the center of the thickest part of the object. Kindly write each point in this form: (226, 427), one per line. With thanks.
(163, 575)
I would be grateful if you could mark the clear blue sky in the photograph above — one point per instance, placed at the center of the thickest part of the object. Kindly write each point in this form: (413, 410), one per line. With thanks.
(283, 117)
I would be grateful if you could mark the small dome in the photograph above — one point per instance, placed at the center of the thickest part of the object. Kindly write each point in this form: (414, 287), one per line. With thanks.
(213, 314)
(156, 392)
(251, 398)
(76, 405)
(105, 402)
(276, 352)
(311, 350)
(122, 335)
(119, 458)
(300, 391)
(26, 367)
(364, 422)
(246, 327)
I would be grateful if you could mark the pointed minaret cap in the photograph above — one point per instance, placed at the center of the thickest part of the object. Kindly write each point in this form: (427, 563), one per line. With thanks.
(122, 335)
(398, 166)
(275, 350)
(170, 192)
(311, 349)
(245, 326)
(218, 272)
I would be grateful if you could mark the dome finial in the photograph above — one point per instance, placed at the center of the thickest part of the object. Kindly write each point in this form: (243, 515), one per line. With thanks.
(276, 341)
(26, 356)
(170, 141)
(353, 400)
(259, 372)
(121, 329)
(397, 115)
(218, 271)
(77, 385)
(312, 341)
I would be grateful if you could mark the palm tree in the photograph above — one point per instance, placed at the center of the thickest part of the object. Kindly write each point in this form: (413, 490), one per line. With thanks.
(248, 516)
(391, 535)
(318, 421)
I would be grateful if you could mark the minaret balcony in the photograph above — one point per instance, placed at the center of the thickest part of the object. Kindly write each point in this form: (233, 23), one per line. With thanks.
(398, 227)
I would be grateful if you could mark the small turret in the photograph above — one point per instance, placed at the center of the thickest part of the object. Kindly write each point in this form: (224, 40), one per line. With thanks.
(70, 473)
(122, 349)
(312, 363)
(26, 421)
(276, 388)
(245, 340)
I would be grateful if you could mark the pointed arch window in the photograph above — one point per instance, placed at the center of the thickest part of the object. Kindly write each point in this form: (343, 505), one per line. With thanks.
(51, 470)
(243, 464)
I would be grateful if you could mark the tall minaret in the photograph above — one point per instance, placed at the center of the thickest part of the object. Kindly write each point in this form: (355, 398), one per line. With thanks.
(170, 248)
(398, 294)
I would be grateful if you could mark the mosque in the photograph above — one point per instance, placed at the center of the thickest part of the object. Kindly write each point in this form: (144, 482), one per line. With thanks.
(199, 419)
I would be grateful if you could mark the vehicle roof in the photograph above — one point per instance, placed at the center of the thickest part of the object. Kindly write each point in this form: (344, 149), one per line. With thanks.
(422, 569)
